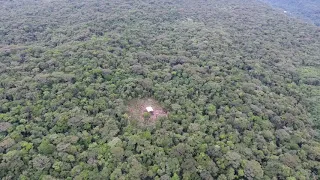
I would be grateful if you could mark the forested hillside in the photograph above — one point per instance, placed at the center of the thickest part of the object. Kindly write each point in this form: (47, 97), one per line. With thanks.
(237, 84)
(306, 9)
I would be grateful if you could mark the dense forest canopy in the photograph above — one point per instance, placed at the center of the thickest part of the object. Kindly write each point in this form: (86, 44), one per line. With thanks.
(237, 81)
(305, 9)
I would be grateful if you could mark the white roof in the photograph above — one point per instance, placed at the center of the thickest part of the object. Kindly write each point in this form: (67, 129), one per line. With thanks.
(149, 109)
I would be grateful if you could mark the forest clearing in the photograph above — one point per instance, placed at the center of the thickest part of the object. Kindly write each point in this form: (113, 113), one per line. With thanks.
(137, 110)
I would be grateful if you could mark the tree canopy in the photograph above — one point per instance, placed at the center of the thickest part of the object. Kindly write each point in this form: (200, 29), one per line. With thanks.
(239, 82)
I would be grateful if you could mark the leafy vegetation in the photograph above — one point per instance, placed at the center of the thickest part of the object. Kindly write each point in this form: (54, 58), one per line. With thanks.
(306, 9)
(238, 79)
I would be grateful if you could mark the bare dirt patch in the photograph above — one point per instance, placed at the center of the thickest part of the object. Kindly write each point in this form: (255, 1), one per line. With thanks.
(137, 109)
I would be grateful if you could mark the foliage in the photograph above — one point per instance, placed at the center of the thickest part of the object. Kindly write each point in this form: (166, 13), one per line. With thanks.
(306, 9)
(238, 79)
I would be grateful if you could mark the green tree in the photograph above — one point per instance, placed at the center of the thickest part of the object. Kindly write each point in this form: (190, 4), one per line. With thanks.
(253, 170)
(46, 147)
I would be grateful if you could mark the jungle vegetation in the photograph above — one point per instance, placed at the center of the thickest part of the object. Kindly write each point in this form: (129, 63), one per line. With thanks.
(240, 82)
(306, 9)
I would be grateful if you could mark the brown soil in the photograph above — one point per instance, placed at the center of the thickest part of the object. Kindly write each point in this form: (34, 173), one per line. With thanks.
(137, 107)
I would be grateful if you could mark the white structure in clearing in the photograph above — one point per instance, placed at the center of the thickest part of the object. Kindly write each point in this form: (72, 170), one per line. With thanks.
(149, 109)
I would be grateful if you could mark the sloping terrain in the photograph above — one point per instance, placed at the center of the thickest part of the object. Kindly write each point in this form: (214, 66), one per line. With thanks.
(306, 9)
(239, 79)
